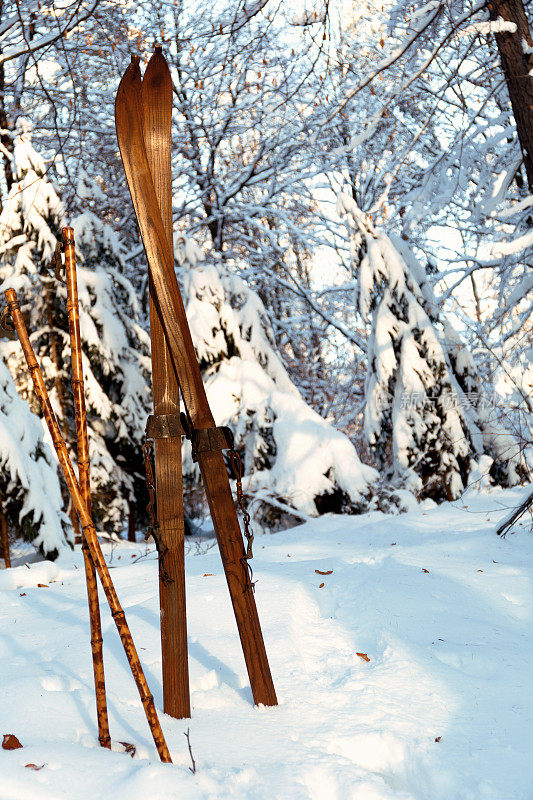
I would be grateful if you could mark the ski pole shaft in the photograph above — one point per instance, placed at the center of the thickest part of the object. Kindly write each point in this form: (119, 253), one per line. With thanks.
(85, 486)
(88, 528)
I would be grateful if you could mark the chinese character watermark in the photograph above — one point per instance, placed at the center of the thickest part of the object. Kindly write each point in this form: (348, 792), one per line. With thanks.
(446, 402)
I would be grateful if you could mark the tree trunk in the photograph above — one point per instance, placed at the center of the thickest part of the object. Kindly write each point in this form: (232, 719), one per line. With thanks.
(517, 64)
(131, 523)
(5, 540)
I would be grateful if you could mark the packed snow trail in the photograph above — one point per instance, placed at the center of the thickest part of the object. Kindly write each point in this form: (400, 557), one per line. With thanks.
(442, 710)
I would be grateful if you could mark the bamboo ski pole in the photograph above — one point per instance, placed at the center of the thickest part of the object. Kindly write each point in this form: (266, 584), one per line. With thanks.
(88, 528)
(85, 486)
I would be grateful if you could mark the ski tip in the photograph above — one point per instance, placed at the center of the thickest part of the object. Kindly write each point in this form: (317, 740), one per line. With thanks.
(131, 76)
(129, 90)
(157, 74)
(158, 60)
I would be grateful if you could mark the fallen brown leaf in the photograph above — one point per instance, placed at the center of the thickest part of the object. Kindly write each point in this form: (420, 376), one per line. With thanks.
(42, 585)
(22, 594)
(363, 656)
(425, 570)
(325, 572)
(393, 544)
(33, 766)
(129, 748)
(10, 742)
(438, 738)
(321, 586)
(480, 570)
(208, 574)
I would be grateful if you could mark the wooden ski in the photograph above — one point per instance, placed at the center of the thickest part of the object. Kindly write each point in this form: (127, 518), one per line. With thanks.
(157, 120)
(128, 117)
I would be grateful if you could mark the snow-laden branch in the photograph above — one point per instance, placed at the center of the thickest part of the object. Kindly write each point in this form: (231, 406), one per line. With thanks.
(310, 17)
(49, 39)
(499, 25)
(510, 211)
(238, 21)
(386, 63)
(513, 247)
(297, 288)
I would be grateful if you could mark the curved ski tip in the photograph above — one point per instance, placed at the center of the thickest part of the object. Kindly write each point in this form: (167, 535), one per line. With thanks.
(129, 86)
(158, 60)
(132, 73)
(157, 73)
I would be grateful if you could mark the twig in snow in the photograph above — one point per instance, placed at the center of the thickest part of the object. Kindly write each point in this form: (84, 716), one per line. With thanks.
(188, 737)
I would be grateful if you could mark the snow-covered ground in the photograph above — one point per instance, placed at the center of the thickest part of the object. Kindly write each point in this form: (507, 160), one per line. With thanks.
(441, 710)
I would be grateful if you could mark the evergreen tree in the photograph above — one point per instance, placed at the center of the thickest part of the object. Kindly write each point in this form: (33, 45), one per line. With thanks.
(508, 467)
(116, 350)
(414, 422)
(115, 346)
(427, 415)
(295, 463)
(30, 494)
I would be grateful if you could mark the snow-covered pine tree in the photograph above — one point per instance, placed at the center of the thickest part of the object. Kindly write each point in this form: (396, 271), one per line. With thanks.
(116, 350)
(415, 422)
(30, 493)
(295, 463)
(115, 346)
(506, 449)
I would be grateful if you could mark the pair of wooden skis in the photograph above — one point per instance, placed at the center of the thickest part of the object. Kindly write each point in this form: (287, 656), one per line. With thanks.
(80, 493)
(143, 112)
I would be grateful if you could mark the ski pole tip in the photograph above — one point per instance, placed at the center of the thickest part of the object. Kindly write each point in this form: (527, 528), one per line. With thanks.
(68, 235)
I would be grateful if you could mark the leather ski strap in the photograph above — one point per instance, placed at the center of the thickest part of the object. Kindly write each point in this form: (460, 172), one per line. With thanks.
(221, 438)
(204, 440)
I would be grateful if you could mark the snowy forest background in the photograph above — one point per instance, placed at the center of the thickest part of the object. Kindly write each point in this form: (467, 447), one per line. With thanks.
(353, 195)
